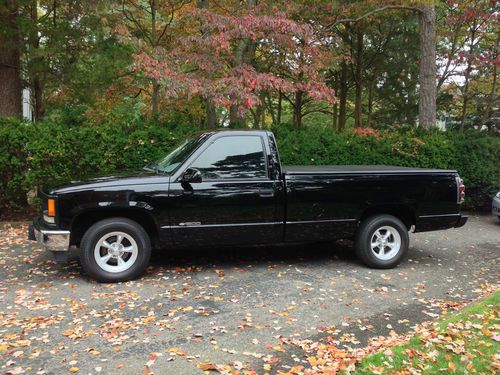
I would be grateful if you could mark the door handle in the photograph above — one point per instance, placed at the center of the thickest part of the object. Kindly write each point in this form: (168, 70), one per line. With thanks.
(266, 193)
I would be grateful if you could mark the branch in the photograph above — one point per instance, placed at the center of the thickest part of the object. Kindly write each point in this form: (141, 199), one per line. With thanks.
(445, 74)
(287, 98)
(165, 28)
(174, 8)
(10, 66)
(139, 7)
(128, 15)
(139, 93)
(372, 12)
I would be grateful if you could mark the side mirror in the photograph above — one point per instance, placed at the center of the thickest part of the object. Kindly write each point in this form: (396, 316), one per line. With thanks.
(191, 175)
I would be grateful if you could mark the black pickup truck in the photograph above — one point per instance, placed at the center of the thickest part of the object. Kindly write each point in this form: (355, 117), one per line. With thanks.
(229, 188)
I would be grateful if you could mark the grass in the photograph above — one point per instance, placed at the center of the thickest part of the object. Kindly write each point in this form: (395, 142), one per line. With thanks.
(462, 343)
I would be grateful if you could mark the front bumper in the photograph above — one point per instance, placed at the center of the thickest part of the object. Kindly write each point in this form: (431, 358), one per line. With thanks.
(51, 239)
(495, 207)
(461, 221)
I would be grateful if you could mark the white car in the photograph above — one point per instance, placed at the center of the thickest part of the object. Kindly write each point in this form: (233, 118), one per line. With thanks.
(495, 206)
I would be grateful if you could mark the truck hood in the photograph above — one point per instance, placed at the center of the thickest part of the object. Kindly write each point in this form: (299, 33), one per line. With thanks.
(118, 179)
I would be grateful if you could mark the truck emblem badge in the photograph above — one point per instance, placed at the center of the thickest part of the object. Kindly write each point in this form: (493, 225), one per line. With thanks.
(190, 223)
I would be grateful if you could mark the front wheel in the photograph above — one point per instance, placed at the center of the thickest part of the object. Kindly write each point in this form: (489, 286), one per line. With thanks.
(381, 241)
(114, 250)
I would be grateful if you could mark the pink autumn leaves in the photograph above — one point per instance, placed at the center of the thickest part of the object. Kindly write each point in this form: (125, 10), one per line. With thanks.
(232, 60)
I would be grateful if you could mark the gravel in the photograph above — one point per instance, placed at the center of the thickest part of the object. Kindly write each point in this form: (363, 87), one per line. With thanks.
(227, 305)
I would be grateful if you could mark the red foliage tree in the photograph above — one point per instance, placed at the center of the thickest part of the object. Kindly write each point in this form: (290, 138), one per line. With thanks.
(214, 65)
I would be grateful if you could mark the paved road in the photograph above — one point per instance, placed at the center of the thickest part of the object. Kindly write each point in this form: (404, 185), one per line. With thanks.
(231, 306)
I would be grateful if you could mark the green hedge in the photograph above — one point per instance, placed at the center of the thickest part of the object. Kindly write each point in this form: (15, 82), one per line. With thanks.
(46, 152)
(51, 152)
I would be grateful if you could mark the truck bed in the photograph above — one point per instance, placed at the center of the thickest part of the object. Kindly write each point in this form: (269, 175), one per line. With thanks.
(357, 169)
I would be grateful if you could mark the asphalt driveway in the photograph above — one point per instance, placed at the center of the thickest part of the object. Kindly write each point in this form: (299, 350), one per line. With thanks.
(247, 308)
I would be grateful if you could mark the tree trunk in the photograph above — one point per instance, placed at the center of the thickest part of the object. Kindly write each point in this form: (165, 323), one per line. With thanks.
(155, 95)
(342, 96)
(235, 120)
(335, 106)
(297, 109)
(38, 107)
(210, 121)
(427, 76)
(358, 76)
(263, 111)
(335, 112)
(370, 101)
(10, 79)
(493, 93)
(155, 98)
(36, 86)
(243, 55)
(259, 117)
(280, 107)
(468, 71)
(202, 4)
(268, 101)
(210, 110)
(54, 13)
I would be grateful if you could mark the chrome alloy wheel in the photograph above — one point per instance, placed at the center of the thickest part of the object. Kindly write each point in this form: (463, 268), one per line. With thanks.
(116, 252)
(385, 242)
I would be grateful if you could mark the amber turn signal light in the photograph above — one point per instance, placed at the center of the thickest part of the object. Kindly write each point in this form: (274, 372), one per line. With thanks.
(51, 207)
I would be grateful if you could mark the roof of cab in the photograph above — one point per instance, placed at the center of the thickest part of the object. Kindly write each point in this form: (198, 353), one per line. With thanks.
(234, 131)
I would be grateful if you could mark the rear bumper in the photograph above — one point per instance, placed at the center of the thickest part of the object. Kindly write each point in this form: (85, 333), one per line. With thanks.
(438, 222)
(51, 239)
(461, 221)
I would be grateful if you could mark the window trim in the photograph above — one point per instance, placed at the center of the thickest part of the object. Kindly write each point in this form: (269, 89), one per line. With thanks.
(242, 179)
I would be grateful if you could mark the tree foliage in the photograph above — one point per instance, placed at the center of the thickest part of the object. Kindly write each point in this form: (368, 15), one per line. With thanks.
(254, 62)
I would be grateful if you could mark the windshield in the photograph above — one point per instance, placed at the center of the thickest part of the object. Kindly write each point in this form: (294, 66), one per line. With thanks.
(170, 162)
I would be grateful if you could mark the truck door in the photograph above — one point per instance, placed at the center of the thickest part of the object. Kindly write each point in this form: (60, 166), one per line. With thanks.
(229, 198)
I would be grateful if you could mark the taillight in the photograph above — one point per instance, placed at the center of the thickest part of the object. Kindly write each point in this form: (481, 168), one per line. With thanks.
(460, 190)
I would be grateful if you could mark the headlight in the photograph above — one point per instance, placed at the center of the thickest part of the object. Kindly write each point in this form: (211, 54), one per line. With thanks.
(48, 219)
(498, 195)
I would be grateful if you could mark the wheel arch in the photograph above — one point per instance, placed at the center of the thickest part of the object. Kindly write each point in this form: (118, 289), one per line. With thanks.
(403, 212)
(82, 222)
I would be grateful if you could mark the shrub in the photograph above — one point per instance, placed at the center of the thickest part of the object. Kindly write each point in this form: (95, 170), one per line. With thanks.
(48, 153)
(52, 152)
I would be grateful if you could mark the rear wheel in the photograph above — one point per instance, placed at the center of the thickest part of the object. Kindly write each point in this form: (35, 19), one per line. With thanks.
(381, 241)
(115, 250)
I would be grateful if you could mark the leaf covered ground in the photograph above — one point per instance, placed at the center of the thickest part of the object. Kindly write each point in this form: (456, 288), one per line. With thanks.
(307, 309)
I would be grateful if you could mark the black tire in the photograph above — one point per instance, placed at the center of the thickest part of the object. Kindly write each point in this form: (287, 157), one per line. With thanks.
(108, 226)
(363, 241)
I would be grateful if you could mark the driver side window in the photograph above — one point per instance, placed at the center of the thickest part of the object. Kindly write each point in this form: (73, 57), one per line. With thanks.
(233, 157)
